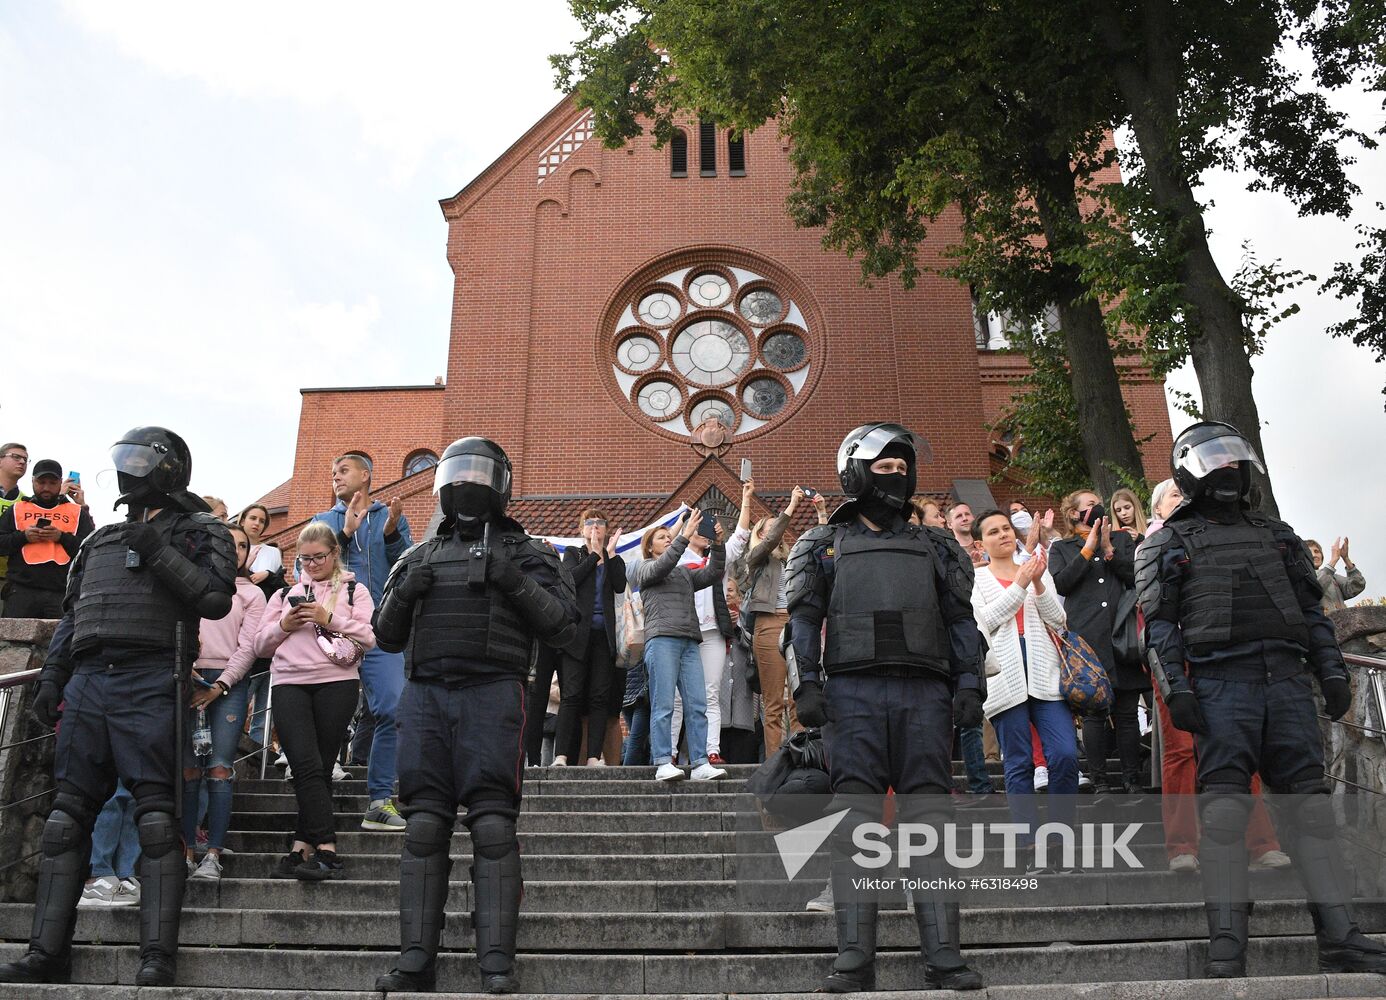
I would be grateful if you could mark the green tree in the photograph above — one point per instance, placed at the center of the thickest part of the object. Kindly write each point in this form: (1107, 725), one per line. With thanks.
(900, 114)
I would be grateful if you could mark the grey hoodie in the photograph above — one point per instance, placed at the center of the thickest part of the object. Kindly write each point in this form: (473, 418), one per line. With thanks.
(666, 590)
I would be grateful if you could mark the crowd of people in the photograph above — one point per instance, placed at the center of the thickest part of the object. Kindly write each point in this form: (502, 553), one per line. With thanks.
(678, 659)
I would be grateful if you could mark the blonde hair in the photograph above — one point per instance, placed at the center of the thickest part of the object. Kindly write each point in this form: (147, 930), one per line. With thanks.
(1130, 497)
(780, 551)
(1068, 507)
(320, 533)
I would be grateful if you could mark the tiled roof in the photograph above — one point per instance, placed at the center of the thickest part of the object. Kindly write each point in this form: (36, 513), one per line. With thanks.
(559, 515)
(277, 498)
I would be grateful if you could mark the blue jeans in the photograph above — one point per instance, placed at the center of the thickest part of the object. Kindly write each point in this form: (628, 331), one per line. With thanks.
(382, 678)
(675, 664)
(115, 840)
(975, 761)
(257, 693)
(636, 750)
(226, 717)
(1054, 721)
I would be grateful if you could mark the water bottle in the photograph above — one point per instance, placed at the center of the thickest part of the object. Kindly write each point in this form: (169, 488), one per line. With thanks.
(202, 735)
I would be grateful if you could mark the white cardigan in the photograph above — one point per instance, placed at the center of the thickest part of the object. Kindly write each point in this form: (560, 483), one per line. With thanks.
(994, 606)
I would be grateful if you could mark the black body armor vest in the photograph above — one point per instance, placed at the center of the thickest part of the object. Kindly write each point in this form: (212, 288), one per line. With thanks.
(884, 606)
(121, 607)
(1236, 588)
(458, 628)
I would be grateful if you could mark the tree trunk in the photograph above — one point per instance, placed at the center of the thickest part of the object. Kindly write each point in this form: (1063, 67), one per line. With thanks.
(1108, 441)
(1214, 321)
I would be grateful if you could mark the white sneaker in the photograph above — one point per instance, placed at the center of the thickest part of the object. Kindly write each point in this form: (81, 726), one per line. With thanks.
(1270, 861)
(339, 773)
(288, 773)
(1041, 778)
(559, 761)
(98, 892)
(669, 772)
(127, 894)
(209, 870)
(1083, 780)
(823, 902)
(282, 760)
(706, 772)
(1183, 863)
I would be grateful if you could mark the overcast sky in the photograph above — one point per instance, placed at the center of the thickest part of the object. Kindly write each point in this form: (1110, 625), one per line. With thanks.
(204, 208)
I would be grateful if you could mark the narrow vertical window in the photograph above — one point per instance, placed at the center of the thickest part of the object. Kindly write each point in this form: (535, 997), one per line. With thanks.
(736, 154)
(678, 154)
(707, 149)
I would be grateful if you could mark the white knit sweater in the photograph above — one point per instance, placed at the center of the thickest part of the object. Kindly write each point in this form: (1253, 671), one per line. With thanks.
(1008, 681)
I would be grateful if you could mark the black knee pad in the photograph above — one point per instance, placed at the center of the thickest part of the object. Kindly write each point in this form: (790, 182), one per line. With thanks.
(493, 835)
(427, 834)
(158, 834)
(1225, 816)
(63, 831)
(1315, 816)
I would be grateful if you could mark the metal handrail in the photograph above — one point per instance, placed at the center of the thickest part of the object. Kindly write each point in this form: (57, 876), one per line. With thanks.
(31, 739)
(1363, 660)
(28, 798)
(20, 677)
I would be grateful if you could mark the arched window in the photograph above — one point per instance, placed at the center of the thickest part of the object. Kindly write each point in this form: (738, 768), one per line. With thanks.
(678, 154)
(736, 154)
(707, 149)
(418, 461)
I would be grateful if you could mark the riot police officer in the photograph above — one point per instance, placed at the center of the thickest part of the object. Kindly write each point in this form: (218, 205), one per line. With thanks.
(112, 659)
(903, 657)
(1235, 629)
(475, 597)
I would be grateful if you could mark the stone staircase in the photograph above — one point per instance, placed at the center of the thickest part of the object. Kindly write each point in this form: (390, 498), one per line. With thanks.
(630, 889)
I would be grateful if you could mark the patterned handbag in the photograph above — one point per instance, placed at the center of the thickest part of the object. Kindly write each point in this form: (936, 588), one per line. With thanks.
(1083, 681)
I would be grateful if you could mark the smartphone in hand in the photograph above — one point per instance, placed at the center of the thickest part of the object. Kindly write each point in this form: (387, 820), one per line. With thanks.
(296, 599)
(708, 526)
(745, 469)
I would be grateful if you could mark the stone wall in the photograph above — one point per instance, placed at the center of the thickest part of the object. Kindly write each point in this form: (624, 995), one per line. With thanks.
(26, 770)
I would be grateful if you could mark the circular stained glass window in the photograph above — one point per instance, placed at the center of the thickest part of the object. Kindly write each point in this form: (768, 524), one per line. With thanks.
(638, 353)
(761, 306)
(709, 290)
(659, 309)
(711, 352)
(785, 351)
(713, 406)
(660, 399)
(764, 397)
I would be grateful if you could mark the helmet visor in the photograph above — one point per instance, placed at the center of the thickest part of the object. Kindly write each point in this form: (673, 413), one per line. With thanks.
(1219, 452)
(870, 446)
(478, 469)
(137, 460)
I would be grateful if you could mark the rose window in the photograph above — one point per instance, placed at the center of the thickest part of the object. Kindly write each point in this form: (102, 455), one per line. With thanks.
(724, 340)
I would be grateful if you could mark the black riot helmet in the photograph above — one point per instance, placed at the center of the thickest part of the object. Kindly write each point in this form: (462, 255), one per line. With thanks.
(1203, 454)
(153, 467)
(472, 481)
(869, 442)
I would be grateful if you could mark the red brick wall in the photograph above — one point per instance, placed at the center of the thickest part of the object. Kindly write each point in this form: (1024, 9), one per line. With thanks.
(386, 424)
(537, 271)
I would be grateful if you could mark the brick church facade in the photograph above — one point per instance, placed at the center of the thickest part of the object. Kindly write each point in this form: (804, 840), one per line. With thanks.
(629, 324)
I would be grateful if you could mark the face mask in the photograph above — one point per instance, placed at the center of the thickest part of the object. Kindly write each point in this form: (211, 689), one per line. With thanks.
(886, 498)
(1223, 485)
(469, 501)
(1095, 512)
(1021, 521)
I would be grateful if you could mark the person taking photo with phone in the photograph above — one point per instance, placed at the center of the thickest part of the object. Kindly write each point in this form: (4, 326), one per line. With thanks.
(40, 536)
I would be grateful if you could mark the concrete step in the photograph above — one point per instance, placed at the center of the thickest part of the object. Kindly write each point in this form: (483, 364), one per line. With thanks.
(699, 931)
(1307, 987)
(575, 868)
(700, 973)
(530, 822)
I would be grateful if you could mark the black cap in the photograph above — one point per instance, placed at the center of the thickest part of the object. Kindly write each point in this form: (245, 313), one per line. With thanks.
(46, 467)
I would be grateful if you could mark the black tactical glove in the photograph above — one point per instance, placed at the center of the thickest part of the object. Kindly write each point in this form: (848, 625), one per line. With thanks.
(967, 708)
(1185, 713)
(144, 539)
(809, 704)
(46, 699)
(1337, 696)
(501, 572)
(417, 582)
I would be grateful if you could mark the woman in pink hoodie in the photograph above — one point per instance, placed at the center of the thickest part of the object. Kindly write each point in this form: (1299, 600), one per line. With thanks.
(316, 631)
(227, 649)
